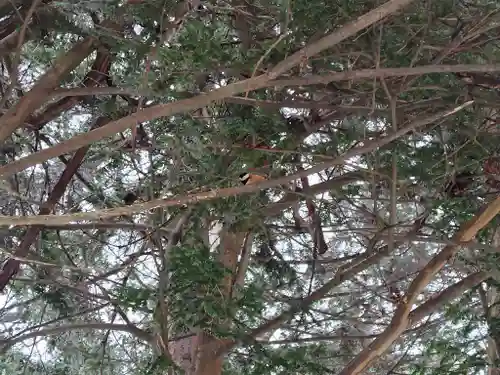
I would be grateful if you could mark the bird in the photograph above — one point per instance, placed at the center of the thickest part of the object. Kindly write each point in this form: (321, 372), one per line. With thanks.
(130, 198)
(250, 178)
(459, 184)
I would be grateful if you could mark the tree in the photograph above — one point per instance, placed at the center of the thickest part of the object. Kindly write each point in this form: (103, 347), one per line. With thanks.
(129, 245)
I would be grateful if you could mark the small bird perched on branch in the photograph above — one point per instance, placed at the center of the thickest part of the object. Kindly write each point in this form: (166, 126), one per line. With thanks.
(250, 178)
(130, 198)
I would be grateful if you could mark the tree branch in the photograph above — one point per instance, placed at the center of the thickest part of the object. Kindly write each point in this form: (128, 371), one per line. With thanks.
(401, 319)
(212, 194)
(140, 334)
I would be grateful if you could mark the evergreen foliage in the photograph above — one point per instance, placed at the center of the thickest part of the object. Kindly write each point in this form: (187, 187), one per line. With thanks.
(277, 280)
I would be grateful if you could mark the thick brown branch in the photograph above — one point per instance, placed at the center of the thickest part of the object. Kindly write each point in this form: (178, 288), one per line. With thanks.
(163, 110)
(353, 75)
(11, 267)
(401, 318)
(341, 34)
(16, 116)
(220, 193)
(446, 296)
(96, 76)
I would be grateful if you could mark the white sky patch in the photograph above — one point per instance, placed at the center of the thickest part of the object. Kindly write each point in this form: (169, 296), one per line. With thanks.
(214, 235)
(138, 29)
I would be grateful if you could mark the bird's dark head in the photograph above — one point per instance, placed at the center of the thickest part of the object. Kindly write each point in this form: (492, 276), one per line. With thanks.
(244, 177)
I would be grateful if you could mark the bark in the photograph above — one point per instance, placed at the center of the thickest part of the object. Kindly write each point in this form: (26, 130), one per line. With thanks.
(196, 353)
(335, 183)
(314, 226)
(336, 37)
(163, 110)
(96, 76)
(209, 361)
(447, 295)
(62, 66)
(13, 18)
(241, 21)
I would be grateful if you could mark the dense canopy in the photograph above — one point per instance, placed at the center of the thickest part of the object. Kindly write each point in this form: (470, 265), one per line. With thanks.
(369, 244)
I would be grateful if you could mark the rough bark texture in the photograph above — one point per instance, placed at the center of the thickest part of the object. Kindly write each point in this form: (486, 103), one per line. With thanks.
(209, 361)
